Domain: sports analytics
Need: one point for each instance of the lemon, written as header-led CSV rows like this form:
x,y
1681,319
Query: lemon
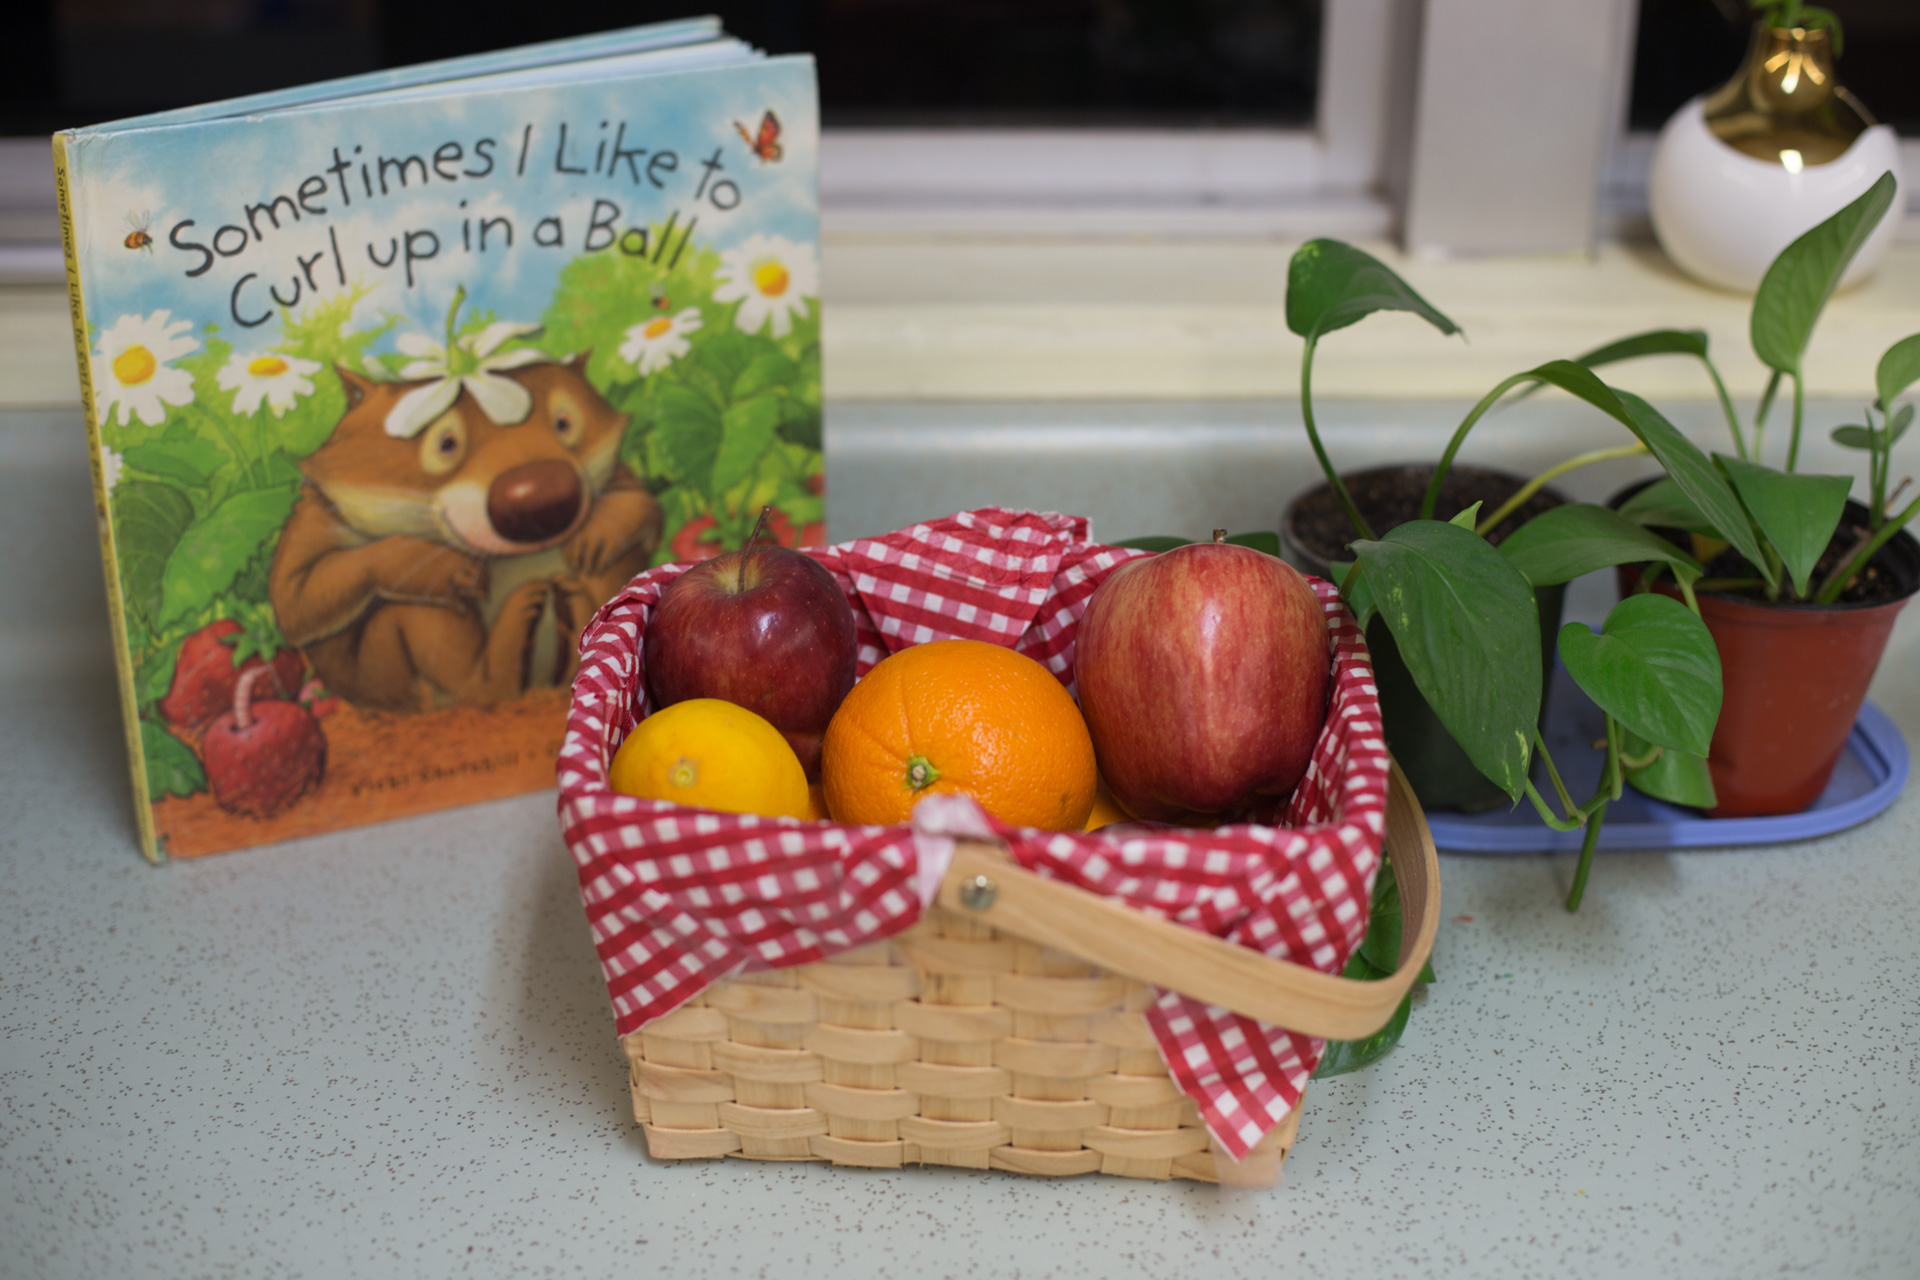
x,y
1106,810
710,754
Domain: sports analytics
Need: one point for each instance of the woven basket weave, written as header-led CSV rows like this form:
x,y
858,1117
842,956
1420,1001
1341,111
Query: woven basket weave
x,y
1004,1030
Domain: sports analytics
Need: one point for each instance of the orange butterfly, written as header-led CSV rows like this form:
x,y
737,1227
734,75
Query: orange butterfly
x,y
767,145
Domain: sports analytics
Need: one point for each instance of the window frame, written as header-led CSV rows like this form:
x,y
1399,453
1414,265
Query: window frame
x,y
1332,176
1346,175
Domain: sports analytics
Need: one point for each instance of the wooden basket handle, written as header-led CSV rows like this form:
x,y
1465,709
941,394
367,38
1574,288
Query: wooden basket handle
x,y
984,884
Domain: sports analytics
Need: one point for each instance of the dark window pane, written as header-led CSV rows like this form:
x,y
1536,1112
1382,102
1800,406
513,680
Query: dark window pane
x,y
121,55
1068,61
1169,62
1686,47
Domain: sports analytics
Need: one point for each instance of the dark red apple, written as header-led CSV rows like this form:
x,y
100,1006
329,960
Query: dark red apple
x,y
1203,675
261,756
765,628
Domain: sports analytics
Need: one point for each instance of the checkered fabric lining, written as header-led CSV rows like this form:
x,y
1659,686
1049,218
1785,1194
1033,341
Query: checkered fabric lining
x,y
680,898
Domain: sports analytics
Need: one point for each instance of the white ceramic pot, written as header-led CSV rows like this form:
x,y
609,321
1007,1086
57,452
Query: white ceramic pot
x,y
1723,215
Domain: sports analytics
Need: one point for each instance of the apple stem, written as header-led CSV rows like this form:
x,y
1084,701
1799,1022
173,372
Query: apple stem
x,y
243,695
760,525
1219,535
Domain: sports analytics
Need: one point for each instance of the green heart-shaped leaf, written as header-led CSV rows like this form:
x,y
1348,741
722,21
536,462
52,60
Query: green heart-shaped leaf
x,y
1331,285
1697,477
747,431
1654,342
149,518
1342,1056
1653,668
213,550
1797,285
187,462
1662,505
155,675
1468,630
172,769
1381,946
1798,513
1689,468
1260,540
1853,436
1560,544
1899,369
768,369
1678,777
686,431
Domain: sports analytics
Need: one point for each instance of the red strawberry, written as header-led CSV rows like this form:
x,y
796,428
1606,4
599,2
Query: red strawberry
x,y
261,757
204,675
315,698
688,544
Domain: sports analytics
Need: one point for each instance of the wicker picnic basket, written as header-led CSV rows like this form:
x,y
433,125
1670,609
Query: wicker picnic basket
x,y
1002,1031
1007,1027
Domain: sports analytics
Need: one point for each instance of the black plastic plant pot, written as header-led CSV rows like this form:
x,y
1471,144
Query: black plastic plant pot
x,y
1314,532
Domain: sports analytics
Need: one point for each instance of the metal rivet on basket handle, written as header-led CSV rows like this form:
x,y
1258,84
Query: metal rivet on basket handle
x,y
978,893
982,880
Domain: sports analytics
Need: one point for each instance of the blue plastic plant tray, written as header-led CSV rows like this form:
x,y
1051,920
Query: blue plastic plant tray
x,y
1871,771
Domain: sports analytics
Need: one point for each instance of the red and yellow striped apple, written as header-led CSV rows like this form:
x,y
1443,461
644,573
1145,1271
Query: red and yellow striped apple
x,y
1203,674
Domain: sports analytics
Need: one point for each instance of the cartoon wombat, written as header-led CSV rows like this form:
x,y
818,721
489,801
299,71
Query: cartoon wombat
x,y
457,565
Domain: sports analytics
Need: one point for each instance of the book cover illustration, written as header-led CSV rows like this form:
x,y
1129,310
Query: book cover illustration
x,y
389,396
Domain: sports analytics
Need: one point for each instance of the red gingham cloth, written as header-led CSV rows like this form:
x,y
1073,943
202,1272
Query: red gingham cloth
x,y
680,898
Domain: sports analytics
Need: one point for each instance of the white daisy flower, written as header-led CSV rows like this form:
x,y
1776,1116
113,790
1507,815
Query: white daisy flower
x,y
278,379
771,278
475,363
110,465
132,376
652,346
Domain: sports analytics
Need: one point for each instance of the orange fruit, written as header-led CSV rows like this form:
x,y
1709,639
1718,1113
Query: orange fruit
x,y
711,754
966,717
817,804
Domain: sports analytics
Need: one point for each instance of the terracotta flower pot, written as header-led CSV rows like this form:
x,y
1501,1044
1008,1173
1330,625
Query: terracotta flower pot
x,y
1794,677
1439,771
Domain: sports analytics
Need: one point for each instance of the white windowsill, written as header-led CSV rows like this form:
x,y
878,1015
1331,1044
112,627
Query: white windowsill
x,y
926,317
969,320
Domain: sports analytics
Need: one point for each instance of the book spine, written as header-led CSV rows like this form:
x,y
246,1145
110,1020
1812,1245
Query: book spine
x,y
116,607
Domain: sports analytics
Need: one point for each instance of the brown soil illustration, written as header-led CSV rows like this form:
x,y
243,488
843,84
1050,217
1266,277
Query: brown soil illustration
x,y
383,765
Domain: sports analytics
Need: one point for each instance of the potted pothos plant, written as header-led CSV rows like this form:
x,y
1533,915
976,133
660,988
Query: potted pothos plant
x,y
1461,613
1801,585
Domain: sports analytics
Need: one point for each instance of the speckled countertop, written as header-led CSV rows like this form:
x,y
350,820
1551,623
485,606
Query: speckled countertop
x,y
387,1052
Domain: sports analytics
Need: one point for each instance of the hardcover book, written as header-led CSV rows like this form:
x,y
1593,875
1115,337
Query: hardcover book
x,y
390,382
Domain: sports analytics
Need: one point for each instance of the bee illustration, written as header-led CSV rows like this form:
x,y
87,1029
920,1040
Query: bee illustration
x,y
660,300
138,238
767,144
